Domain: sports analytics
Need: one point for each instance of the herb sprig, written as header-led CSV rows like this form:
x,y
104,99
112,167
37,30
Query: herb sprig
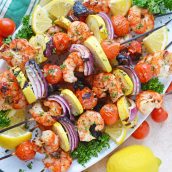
x,y
154,84
4,119
86,151
154,6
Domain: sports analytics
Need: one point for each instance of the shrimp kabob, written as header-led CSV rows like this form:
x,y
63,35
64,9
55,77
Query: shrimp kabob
x,y
90,91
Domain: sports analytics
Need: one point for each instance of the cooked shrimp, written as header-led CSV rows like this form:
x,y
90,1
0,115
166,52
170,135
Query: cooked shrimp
x,y
146,101
73,63
45,118
18,52
85,121
60,164
104,82
78,32
161,62
53,30
141,20
97,5
11,96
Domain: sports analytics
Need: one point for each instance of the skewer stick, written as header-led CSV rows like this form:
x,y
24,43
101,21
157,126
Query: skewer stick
x,y
7,156
168,45
161,15
145,34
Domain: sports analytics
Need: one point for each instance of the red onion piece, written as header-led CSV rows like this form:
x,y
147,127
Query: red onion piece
x,y
134,77
71,131
109,25
86,56
133,110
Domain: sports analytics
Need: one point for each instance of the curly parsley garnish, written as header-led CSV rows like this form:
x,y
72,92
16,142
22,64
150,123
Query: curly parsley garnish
x,y
154,6
7,40
86,151
26,31
4,119
154,84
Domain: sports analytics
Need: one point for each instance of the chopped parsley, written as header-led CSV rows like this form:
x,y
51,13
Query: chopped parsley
x,y
87,150
154,84
7,40
4,119
30,165
62,66
21,170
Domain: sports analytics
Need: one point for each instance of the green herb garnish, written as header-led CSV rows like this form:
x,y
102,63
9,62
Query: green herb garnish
x,y
86,151
154,84
7,40
155,6
4,119
21,170
26,31
30,165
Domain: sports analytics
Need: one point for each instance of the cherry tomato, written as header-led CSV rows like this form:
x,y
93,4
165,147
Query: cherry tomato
x,y
121,25
87,98
109,113
142,131
111,48
144,72
135,47
61,42
53,73
25,151
7,27
159,115
169,88
1,40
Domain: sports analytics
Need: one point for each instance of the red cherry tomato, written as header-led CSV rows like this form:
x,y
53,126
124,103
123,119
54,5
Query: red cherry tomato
x,y
142,131
109,113
25,151
87,98
7,27
121,25
53,73
135,47
159,115
144,72
61,42
1,40
169,88
111,48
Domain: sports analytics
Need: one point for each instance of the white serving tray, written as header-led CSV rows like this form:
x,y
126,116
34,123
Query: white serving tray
x,y
13,164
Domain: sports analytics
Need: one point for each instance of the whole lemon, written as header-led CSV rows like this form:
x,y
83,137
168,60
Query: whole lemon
x,y
134,158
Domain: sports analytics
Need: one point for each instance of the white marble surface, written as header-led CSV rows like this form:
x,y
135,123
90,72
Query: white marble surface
x,y
159,140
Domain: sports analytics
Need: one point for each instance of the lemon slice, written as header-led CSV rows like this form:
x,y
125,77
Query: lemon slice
x,y
58,8
117,132
73,101
64,141
120,7
39,42
157,40
12,138
40,20
97,26
62,22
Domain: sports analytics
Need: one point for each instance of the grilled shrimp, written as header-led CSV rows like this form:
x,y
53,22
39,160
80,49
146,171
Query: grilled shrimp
x,y
47,143
11,96
85,121
45,118
18,53
104,82
146,101
60,164
73,63
141,20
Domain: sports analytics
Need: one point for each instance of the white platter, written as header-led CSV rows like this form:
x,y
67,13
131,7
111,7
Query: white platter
x,y
13,164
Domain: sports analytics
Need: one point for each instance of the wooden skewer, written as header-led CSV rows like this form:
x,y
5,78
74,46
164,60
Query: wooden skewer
x,y
168,45
161,15
7,156
145,34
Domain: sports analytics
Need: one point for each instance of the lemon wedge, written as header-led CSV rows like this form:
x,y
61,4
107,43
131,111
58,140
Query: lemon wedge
x,y
58,8
97,26
73,101
117,132
120,7
157,40
64,141
12,138
62,22
40,20
39,42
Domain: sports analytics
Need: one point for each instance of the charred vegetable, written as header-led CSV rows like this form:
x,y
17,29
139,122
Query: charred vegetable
x,y
80,9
